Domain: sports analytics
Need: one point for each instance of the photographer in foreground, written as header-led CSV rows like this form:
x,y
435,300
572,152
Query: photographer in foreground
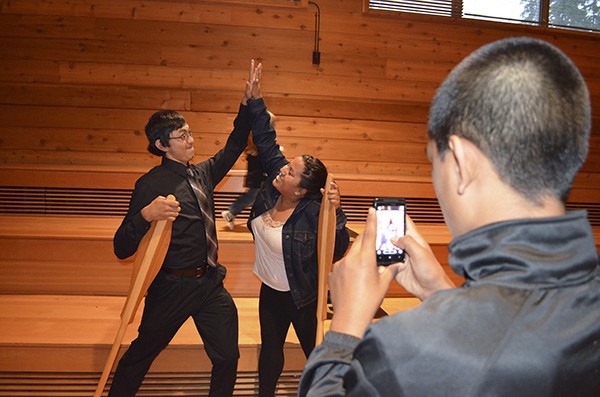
x,y
508,131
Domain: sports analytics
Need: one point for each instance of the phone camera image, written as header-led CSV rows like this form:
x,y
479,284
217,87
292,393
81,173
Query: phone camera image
x,y
391,223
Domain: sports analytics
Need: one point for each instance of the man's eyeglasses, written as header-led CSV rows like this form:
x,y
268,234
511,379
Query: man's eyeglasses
x,y
183,137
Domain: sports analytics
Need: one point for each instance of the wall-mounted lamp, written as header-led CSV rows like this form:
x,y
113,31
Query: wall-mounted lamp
x,y
316,57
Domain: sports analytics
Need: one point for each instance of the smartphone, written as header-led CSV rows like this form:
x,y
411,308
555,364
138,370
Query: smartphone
x,y
391,222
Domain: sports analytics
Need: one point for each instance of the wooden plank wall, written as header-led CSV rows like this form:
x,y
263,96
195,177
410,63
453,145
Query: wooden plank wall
x,y
78,81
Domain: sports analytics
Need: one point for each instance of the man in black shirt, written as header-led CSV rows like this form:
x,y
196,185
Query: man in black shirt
x,y
190,282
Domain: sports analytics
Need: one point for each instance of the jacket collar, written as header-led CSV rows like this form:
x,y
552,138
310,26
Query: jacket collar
x,y
528,253
308,197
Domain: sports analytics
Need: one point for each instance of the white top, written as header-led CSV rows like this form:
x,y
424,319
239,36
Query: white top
x,y
269,265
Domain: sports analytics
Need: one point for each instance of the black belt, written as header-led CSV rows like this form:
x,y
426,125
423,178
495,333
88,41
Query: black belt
x,y
198,272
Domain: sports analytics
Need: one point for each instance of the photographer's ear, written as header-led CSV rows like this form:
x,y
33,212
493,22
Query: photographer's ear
x,y
466,161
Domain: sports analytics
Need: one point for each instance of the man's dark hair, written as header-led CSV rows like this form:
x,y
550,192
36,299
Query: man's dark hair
x,y
526,106
314,175
160,126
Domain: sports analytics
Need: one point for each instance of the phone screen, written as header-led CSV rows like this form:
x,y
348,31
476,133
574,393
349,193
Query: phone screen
x,y
391,222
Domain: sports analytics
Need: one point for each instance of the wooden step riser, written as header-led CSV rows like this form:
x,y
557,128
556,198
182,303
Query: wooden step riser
x,y
175,358
89,267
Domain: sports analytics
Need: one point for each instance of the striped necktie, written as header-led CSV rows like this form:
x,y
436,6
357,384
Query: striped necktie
x,y
209,221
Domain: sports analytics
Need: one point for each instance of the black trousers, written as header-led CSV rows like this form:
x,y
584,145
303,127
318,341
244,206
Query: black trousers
x,y
276,312
170,301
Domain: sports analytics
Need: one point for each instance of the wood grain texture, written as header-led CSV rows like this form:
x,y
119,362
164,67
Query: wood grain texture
x,y
79,81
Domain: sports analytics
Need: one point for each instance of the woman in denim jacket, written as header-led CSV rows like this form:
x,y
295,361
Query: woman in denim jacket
x,y
284,222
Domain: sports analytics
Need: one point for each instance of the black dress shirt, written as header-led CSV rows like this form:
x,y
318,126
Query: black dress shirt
x,y
187,249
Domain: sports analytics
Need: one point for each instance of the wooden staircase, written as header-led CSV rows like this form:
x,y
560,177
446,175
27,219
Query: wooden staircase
x,y
56,345
61,295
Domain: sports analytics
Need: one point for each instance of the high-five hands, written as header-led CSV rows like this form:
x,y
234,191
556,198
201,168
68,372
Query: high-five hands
x,y
252,90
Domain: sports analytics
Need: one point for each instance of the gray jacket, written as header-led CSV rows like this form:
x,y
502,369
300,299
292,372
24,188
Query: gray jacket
x,y
525,323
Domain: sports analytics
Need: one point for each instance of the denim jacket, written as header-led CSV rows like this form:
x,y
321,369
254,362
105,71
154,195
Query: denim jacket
x,y
299,234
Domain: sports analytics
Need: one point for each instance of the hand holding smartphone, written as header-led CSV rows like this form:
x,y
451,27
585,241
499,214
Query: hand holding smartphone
x,y
391,222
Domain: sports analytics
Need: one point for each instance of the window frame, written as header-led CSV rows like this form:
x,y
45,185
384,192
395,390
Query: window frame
x,y
537,26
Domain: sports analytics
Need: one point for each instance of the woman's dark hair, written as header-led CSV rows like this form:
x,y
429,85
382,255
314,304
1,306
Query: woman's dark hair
x,y
160,126
314,175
